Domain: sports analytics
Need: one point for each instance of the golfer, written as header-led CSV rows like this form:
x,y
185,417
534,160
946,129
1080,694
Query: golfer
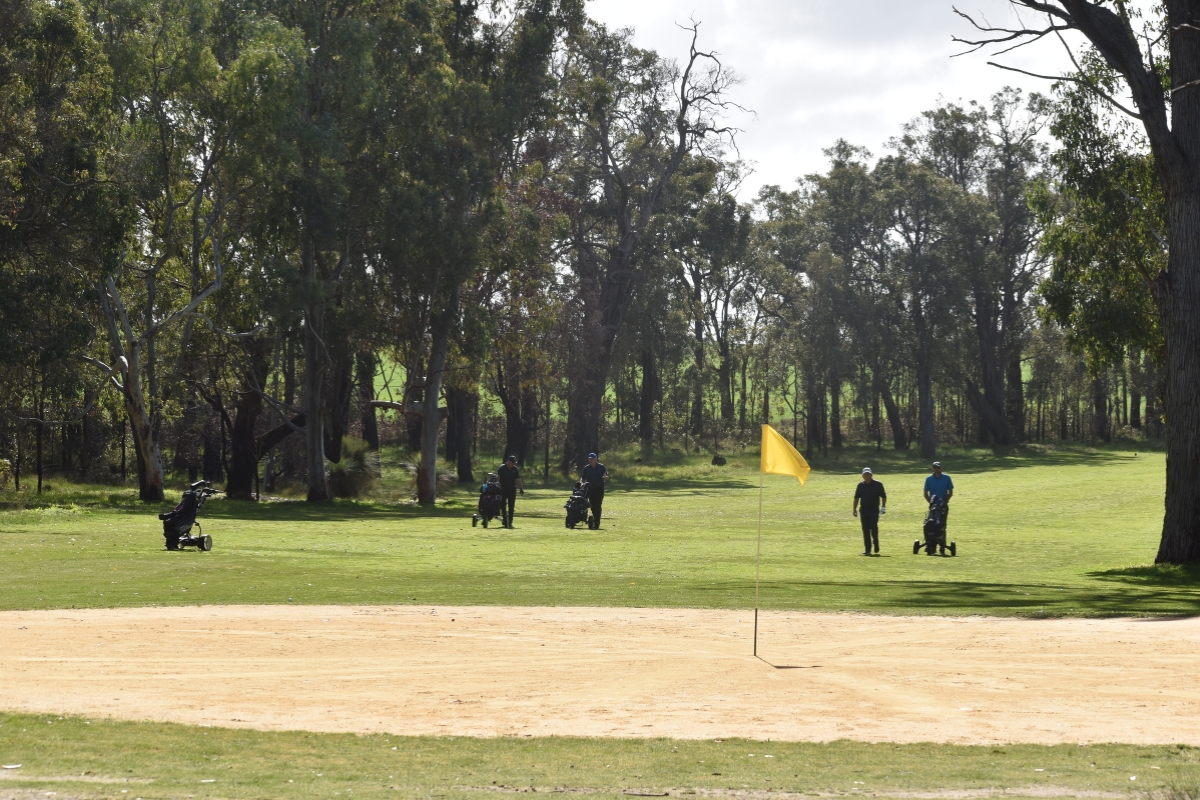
x,y
510,481
939,485
595,474
874,502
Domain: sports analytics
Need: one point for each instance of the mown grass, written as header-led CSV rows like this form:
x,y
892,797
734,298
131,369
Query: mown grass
x,y
1069,531
106,758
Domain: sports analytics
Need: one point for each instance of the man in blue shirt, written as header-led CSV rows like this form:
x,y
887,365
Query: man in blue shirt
x,y
939,485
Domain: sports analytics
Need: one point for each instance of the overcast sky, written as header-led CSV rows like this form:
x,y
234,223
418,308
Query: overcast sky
x,y
817,70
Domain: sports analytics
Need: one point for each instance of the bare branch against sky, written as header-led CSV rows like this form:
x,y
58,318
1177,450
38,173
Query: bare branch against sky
x,y
817,70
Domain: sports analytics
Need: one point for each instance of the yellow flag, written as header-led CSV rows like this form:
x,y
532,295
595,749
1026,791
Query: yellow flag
x,y
780,458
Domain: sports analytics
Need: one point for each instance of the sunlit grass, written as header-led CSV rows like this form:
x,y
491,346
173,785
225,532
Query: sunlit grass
x,y
104,758
1068,531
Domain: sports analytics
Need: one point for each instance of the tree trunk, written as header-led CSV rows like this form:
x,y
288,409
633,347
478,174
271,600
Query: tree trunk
x,y
243,450
925,418
340,390
1135,410
315,363
988,399
899,437
459,406
430,412
835,409
1178,292
588,376
697,424
1014,398
366,393
516,432
1100,427
651,391
725,380
150,468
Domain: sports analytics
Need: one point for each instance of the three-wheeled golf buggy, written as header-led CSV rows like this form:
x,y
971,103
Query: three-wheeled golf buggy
x,y
577,506
491,502
934,529
178,522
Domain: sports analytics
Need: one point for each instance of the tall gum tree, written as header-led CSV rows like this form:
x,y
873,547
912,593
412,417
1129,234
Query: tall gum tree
x,y
1165,92
631,118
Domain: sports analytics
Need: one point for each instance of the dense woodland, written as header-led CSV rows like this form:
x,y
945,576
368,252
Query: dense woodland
x,y
256,241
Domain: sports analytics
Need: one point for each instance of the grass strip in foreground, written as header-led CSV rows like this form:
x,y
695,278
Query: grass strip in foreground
x,y
77,757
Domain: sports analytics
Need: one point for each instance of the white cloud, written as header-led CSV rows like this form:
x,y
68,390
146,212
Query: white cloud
x,y
818,70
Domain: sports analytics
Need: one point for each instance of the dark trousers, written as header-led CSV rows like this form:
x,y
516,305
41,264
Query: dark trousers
x,y
509,505
870,528
596,501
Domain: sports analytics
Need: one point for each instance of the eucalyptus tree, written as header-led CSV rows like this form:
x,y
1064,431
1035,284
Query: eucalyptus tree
x,y
994,153
931,225
1157,61
630,118
58,215
485,87
192,98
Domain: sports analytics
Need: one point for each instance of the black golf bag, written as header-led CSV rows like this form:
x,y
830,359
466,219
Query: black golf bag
x,y
577,505
934,529
491,504
178,522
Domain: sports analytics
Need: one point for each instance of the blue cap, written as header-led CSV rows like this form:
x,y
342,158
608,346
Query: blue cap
x,y
592,455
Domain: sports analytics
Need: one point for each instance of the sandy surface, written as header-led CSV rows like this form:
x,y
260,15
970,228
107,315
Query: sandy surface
x,y
485,671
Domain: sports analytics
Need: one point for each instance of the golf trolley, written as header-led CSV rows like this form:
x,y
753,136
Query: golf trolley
x,y
934,529
491,503
177,523
577,506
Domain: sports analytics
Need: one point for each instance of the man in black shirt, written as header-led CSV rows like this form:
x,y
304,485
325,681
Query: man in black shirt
x,y
871,493
510,481
595,474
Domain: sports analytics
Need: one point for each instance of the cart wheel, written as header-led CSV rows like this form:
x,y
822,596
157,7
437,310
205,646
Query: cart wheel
x,y
206,543
474,520
954,548
916,547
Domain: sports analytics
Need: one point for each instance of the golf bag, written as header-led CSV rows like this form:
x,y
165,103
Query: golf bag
x,y
577,505
934,529
491,504
177,523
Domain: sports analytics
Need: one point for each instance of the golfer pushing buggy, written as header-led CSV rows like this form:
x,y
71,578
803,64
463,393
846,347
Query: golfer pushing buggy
x,y
934,529
178,522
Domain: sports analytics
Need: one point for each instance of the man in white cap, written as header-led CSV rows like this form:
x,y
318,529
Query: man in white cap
x,y
874,502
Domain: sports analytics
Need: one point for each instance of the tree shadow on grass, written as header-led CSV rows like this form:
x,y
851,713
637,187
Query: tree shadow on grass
x,y
1129,598
336,511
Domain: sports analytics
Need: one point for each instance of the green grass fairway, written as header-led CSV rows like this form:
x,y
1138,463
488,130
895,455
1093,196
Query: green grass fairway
x,y
1062,532
93,758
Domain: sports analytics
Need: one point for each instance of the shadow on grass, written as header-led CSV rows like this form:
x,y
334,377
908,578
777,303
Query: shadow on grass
x,y
956,597
1153,575
335,511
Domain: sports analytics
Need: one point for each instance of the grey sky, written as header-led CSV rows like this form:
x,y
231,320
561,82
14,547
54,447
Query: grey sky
x,y
817,70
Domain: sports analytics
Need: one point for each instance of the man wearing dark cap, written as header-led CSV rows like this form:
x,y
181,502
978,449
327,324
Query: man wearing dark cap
x,y
510,481
594,474
874,501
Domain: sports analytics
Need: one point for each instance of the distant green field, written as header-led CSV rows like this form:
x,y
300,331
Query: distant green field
x,y
104,758
1057,532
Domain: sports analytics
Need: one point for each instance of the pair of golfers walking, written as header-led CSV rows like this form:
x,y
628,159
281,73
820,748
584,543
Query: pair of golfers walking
x,y
594,474
873,499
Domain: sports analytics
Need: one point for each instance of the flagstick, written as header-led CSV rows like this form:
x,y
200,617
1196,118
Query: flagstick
x,y
757,559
